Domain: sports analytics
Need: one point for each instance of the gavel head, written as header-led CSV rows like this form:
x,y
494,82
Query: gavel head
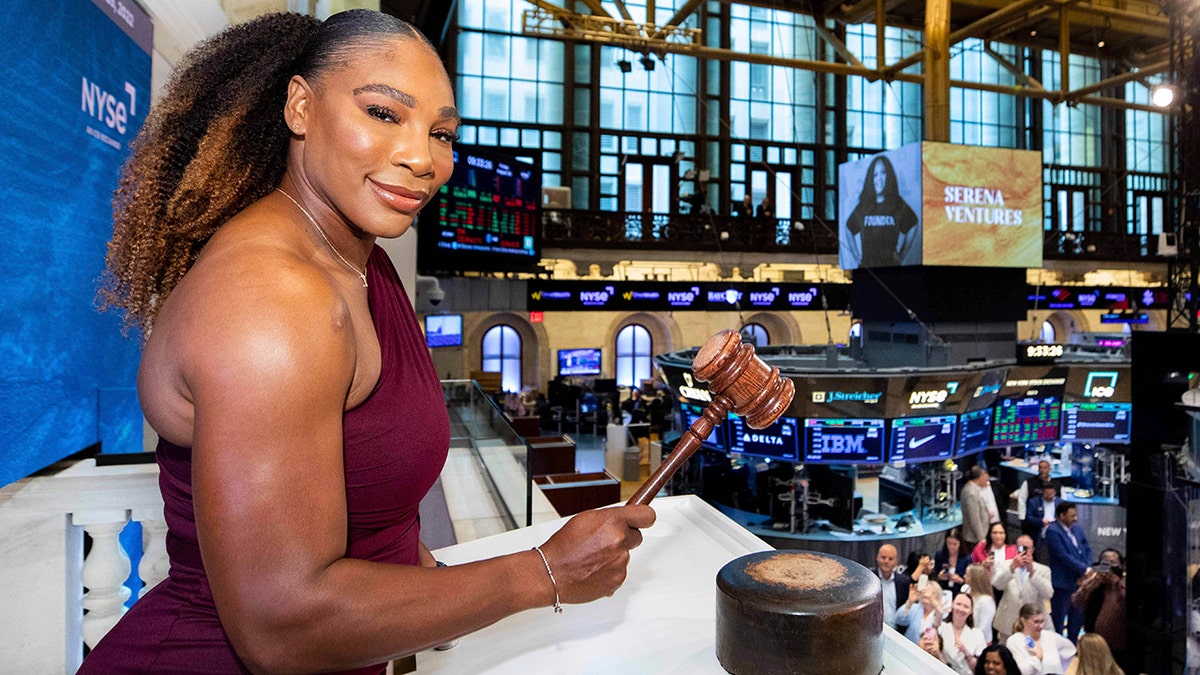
x,y
730,367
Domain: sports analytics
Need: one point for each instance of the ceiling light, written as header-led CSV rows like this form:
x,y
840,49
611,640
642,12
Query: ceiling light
x,y
648,63
625,66
1162,95
1100,44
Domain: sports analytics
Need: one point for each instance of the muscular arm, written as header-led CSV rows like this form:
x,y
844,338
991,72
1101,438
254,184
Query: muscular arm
x,y
269,388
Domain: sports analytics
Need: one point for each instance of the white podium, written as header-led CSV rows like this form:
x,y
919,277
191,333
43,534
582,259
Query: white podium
x,y
663,620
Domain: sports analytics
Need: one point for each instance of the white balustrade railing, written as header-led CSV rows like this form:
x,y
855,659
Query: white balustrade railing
x,y
48,617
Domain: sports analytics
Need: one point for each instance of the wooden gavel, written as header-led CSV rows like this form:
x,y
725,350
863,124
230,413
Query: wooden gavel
x,y
739,381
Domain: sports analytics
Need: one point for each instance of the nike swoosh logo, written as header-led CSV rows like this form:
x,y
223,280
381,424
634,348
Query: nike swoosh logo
x,y
915,443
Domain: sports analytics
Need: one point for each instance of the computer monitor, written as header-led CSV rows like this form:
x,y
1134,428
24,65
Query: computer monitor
x,y
922,439
834,485
974,431
780,441
1026,419
690,412
443,330
579,362
844,440
1096,422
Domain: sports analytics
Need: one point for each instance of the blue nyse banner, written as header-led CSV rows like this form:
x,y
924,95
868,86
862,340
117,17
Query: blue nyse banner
x,y
77,91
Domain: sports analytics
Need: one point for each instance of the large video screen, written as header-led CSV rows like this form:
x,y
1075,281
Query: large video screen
x,y
779,441
921,439
982,206
974,431
79,91
846,440
579,362
879,210
689,413
485,218
1096,422
939,204
1030,419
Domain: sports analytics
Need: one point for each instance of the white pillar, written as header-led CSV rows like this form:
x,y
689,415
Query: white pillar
x,y
104,572
154,565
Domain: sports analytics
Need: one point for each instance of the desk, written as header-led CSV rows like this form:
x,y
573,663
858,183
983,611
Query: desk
x,y
663,620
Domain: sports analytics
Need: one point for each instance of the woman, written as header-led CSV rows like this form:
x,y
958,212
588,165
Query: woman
x,y
951,562
995,548
883,229
922,612
1038,651
1094,657
300,417
962,642
996,660
979,581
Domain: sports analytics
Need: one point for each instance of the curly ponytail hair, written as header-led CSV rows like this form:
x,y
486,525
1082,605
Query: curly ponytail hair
x,y
214,144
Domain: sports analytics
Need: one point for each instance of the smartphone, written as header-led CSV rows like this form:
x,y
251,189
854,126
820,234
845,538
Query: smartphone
x,y
922,581
1022,549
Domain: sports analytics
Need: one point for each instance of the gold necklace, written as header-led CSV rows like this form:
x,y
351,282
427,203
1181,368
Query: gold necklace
x,y
361,273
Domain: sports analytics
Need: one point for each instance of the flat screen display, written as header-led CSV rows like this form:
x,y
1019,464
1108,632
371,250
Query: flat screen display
x,y
579,362
974,431
848,440
443,330
1096,422
485,218
1029,419
779,441
689,413
921,439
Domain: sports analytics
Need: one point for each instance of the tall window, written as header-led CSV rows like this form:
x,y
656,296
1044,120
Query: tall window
x,y
502,354
1047,332
633,355
983,117
882,115
755,334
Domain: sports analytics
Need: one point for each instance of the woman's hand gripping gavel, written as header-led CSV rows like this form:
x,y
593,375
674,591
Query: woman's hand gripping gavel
x,y
739,381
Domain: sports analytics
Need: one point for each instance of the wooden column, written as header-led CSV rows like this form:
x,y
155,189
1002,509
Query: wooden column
x,y
937,70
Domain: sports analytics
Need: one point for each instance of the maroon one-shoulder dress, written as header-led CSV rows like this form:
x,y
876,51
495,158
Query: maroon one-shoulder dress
x,y
395,444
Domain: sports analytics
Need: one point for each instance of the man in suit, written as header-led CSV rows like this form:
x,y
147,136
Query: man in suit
x,y
895,584
978,507
1040,508
1024,582
1070,558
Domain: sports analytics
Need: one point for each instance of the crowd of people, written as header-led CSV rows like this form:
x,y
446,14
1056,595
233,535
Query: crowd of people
x,y
995,608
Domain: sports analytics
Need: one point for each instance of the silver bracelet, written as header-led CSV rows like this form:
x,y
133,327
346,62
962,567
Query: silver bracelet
x,y
557,604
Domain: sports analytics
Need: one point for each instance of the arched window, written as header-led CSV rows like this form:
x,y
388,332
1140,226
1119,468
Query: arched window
x,y
755,334
856,333
1047,332
502,354
633,355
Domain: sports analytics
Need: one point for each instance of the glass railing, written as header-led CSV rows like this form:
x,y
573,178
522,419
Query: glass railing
x,y
478,423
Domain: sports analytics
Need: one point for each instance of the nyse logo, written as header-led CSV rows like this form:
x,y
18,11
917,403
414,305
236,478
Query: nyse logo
x,y
1100,384
845,444
925,399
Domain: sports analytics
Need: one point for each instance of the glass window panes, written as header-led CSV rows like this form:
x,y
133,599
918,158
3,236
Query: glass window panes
x,y
755,334
633,355
502,354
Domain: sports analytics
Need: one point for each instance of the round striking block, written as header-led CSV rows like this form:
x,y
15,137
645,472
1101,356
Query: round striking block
x,y
799,612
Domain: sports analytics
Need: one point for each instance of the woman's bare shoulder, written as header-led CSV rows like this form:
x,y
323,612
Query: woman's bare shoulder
x,y
252,307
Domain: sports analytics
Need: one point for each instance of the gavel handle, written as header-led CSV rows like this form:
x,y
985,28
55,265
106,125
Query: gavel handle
x,y
688,444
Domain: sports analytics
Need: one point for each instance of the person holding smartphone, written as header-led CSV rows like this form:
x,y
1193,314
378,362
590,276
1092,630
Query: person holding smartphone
x,y
1024,582
922,611
1038,651
951,562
